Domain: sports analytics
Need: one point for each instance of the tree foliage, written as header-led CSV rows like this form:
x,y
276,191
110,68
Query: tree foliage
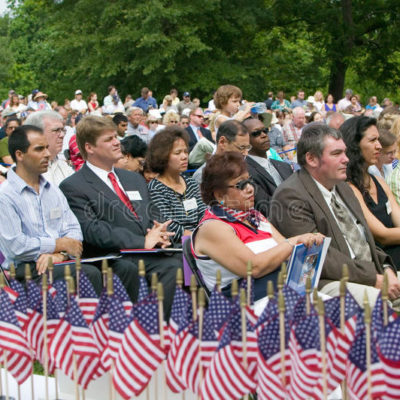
x,y
61,45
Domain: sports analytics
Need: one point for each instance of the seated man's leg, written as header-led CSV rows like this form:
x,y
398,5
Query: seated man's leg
x,y
357,290
126,269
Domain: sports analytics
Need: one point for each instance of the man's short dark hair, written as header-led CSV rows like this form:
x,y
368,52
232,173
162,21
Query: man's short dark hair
x,y
119,117
134,146
111,87
18,140
230,129
11,119
312,141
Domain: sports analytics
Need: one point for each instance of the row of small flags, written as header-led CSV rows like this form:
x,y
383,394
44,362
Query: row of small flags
x,y
298,348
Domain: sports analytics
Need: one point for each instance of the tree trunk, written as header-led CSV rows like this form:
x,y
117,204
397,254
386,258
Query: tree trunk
x,y
336,79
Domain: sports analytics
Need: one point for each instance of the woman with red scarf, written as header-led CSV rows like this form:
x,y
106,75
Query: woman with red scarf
x,y
232,232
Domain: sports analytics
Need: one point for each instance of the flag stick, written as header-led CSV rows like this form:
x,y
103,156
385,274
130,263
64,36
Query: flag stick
x,y
19,392
154,282
280,282
270,290
104,269
315,297
71,291
202,304
308,293
284,272
249,274
193,291
110,292
46,356
160,298
385,297
78,274
367,321
218,280
67,276
6,374
244,331
281,307
28,277
50,268
234,289
342,293
179,282
322,336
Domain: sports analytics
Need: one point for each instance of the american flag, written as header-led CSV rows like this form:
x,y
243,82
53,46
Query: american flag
x,y
12,294
270,310
61,297
88,298
269,370
118,322
180,315
13,343
143,289
34,328
389,355
21,302
338,343
140,353
227,377
305,357
357,366
218,310
72,337
100,321
377,317
120,292
291,299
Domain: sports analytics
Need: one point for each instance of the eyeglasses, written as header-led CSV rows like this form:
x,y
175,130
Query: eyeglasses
x,y
242,149
58,131
259,132
173,122
153,122
241,185
199,116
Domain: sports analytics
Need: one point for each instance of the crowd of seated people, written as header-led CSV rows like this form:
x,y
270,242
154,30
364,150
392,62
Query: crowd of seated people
x,y
102,177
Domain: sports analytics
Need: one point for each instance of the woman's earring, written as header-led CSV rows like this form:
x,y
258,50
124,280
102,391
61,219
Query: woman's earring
x,y
221,202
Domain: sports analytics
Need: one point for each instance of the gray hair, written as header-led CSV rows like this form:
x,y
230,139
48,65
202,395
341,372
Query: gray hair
x,y
132,109
37,118
312,141
298,110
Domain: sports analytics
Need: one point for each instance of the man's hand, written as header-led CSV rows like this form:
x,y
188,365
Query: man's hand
x,y
71,246
394,284
43,261
158,236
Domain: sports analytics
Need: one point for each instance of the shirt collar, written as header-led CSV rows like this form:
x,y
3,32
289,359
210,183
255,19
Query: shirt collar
x,y
100,172
327,194
20,185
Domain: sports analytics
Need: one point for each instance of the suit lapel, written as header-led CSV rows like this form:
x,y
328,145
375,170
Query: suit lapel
x,y
261,171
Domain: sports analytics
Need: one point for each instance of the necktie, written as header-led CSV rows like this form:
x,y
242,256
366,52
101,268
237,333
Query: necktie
x,y
199,134
120,193
350,231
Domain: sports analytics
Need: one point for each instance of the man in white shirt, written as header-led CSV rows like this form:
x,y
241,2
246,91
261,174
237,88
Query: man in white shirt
x,y
78,103
52,124
317,199
345,102
135,117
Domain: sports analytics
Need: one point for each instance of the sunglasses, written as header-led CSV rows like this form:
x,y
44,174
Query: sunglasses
x,y
198,116
241,185
259,132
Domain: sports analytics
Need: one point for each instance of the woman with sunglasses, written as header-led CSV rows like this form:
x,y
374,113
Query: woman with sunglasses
x,y
232,232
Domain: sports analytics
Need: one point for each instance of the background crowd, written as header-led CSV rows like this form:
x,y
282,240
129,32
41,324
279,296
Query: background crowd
x,y
94,146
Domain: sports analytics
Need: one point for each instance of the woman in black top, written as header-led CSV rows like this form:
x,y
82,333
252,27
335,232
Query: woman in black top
x,y
177,196
377,201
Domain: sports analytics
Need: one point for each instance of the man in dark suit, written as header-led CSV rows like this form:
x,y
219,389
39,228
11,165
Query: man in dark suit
x,y
114,209
195,128
267,173
317,199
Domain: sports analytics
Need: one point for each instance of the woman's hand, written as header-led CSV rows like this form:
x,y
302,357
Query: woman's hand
x,y
308,239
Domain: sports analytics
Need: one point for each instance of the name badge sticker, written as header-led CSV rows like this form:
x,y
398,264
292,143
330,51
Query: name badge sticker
x,y
190,204
55,213
134,195
388,207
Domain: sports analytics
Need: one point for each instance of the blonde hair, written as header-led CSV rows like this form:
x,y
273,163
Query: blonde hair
x,y
224,93
318,96
169,116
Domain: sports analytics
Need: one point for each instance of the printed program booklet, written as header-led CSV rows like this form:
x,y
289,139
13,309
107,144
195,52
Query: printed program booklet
x,y
306,262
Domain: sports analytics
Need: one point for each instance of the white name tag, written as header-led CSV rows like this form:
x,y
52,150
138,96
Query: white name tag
x,y
388,207
190,204
55,213
134,195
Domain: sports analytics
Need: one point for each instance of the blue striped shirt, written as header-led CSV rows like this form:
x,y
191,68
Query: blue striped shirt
x,y
30,222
